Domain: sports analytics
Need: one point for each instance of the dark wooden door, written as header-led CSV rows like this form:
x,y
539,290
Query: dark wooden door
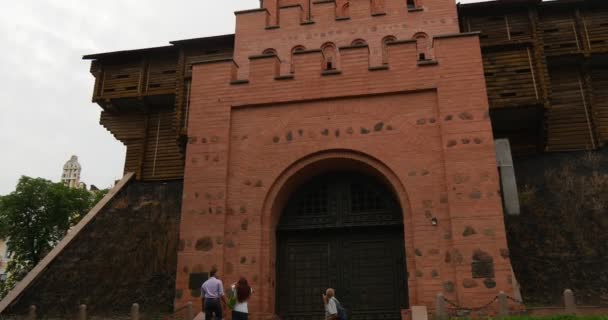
x,y
343,231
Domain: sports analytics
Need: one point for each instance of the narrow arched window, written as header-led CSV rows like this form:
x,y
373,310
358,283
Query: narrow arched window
x,y
293,51
330,56
385,42
358,42
411,4
422,46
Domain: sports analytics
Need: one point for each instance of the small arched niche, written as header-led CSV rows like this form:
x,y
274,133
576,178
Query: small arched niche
x,y
422,46
413,4
293,51
385,42
330,56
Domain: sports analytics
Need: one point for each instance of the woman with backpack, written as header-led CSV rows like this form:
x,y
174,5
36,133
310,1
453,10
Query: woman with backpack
x,y
333,308
241,292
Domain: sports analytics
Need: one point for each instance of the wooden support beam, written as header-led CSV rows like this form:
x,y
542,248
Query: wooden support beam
x,y
142,152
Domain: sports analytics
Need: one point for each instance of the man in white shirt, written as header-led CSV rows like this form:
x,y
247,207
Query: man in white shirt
x,y
331,309
212,292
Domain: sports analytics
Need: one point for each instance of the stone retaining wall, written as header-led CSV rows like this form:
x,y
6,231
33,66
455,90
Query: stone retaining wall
x,y
561,240
126,255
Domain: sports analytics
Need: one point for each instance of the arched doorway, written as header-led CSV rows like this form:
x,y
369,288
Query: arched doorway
x,y
342,230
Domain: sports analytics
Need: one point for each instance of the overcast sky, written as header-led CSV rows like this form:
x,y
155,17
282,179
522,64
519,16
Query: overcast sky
x,y
46,114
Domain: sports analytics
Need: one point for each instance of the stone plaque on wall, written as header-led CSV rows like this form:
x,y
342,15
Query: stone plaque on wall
x,y
482,265
196,280
481,269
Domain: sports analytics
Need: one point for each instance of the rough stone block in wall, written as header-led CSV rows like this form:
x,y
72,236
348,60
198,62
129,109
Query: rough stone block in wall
x,y
126,255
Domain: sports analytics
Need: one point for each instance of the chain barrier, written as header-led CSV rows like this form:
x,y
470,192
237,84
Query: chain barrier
x,y
177,313
515,300
459,307
455,308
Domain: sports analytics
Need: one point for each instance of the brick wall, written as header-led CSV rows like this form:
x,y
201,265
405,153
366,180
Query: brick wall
x,y
371,21
422,125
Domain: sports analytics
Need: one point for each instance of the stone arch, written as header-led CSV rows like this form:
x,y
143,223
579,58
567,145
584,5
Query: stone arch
x,y
422,45
385,41
269,51
330,56
298,48
358,42
319,163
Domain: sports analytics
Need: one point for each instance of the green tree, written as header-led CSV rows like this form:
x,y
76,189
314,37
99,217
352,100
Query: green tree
x,y
35,217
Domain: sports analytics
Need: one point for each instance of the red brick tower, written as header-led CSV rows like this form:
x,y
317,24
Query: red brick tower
x,y
385,89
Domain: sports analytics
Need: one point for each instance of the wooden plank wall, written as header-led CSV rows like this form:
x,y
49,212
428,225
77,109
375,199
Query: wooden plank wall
x,y
498,29
162,159
509,78
121,79
544,55
152,149
130,129
569,119
161,76
508,56
599,77
595,25
520,26
559,32
493,28
134,76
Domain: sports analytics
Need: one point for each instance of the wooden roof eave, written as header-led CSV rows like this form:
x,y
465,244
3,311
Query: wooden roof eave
x,y
221,41
129,53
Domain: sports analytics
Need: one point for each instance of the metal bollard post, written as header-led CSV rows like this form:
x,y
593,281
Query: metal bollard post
x,y
135,311
82,312
440,312
32,313
190,311
569,302
503,305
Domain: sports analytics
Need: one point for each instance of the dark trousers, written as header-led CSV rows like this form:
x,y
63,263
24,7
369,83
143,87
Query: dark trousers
x,y
239,315
213,307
